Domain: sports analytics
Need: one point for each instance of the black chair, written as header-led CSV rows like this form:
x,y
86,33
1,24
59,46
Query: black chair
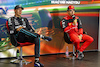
x,y
67,40
18,44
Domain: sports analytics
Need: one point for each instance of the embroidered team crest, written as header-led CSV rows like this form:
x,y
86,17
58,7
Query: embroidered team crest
x,y
72,7
70,24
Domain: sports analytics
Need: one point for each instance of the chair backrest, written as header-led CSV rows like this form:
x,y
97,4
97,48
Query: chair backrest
x,y
14,40
67,38
12,37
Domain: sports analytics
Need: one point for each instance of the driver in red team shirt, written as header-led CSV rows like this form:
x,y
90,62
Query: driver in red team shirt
x,y
71,24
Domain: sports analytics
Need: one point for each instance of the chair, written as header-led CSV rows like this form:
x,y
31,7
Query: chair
x,y
67,40
18,44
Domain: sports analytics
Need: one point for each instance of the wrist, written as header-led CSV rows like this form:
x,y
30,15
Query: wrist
x,y
81,35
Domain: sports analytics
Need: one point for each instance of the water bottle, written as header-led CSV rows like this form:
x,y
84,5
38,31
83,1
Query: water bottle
x,y
67,53
17,54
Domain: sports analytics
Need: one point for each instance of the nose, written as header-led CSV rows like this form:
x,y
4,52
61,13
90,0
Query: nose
x,y
20,11
72,12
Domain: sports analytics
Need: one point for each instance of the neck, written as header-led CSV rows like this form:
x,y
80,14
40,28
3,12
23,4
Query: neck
x,y
69,15
17,15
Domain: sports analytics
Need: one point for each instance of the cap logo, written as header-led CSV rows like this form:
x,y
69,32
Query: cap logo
x,y
72,7
19,6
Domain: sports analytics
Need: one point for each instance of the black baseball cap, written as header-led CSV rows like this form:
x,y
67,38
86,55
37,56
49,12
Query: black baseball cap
x,y
18,6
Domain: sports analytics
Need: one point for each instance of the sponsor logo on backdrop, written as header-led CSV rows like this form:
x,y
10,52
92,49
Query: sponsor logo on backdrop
x,y
64,2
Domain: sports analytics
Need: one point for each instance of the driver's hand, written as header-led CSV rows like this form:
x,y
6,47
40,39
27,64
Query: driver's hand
x,y
80,37
18,29
75,22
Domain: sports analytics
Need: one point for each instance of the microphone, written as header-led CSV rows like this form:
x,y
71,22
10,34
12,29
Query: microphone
x,y
73,16
74,20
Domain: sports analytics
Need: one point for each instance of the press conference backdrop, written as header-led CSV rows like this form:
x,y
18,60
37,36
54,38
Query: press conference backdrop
x,y
46,21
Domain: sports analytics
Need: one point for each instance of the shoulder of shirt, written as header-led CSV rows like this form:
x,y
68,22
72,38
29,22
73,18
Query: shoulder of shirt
x,y
76,17
11,17
66,17
24,17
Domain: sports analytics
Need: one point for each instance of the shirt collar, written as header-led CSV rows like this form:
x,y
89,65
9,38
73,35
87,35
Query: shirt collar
x,y
16,17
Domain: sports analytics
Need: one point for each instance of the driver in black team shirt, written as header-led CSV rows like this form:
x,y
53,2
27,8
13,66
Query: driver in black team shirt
x,y
19,26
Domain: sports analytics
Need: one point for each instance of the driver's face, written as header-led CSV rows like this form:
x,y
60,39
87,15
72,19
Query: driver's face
x,y
71,12
18,11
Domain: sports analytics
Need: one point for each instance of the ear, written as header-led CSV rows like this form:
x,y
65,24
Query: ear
x,y
14,10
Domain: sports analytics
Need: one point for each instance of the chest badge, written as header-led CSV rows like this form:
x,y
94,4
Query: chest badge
x,y
70,24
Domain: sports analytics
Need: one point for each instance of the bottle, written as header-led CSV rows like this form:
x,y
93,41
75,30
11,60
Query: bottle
x,y
17,54
67,52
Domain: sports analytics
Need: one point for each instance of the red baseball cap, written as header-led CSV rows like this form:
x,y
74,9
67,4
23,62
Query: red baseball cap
x,y
70,7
